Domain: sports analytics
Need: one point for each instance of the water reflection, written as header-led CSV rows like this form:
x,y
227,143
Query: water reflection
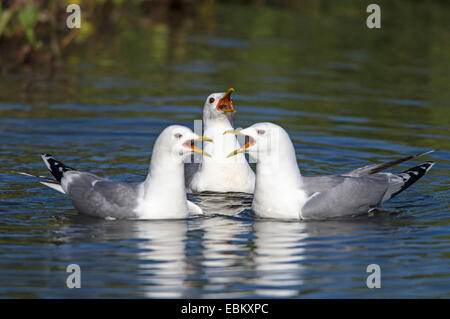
x,y
344,105
162,257
153,251
287,253
223,203
228,256
278,257
225,251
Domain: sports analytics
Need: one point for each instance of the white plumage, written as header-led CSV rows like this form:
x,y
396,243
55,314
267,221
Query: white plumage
x,y
282,192
219,173
161,196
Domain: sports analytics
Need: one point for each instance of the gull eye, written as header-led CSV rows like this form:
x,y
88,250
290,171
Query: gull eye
x,y
211,100
261,132
178,135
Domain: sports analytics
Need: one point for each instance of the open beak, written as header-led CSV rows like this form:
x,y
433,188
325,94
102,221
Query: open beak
x,y
225,104
204,138
251,141
190,144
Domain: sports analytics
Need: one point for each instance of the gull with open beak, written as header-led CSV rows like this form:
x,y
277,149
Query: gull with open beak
x,y
282,192
219,173
161,196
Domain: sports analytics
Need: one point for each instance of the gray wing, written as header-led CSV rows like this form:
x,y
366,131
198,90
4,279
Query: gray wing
x,y
315,184
99,197
343,196
376,168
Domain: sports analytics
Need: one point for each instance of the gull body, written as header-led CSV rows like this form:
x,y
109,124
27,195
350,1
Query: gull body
x,y
162,195
219,173
282,192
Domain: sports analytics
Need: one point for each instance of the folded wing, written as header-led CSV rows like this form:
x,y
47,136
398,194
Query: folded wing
x,y
345,196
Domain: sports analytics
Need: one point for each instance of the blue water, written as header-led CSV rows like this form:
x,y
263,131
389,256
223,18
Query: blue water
x,y
345,104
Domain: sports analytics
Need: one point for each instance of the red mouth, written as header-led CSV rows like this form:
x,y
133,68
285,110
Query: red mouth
x,y
225,104
250,141
189,144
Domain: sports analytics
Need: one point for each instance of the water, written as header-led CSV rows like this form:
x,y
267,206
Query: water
x,y
347,95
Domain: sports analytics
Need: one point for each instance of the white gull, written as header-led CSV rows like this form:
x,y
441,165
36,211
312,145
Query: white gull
x,y
219,173
282,192
161,196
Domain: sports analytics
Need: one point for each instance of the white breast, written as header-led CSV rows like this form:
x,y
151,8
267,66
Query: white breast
x,y
161,207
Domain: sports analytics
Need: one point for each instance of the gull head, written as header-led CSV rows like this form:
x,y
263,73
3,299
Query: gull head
x,y
179,142
261,140
219,105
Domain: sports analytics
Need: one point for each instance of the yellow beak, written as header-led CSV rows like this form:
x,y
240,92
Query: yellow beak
x,y
239,150
228,93
236,132
204,138
195,149
236,152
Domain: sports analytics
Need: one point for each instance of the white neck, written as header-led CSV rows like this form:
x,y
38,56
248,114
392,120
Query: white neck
x,y
278,183
223,144
279,165
219,172
164,193
224,119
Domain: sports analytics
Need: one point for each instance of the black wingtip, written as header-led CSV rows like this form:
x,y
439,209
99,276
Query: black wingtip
x,y
419,170
412,175
56,167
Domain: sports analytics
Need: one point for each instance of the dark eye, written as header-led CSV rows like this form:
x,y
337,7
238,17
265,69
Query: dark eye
x,y
261,132
211,100
178,135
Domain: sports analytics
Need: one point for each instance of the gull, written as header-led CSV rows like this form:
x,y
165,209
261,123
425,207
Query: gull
x,y
162,195
219,173
282,192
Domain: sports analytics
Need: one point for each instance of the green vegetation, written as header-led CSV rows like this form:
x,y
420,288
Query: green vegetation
x,y
131,53
34,31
